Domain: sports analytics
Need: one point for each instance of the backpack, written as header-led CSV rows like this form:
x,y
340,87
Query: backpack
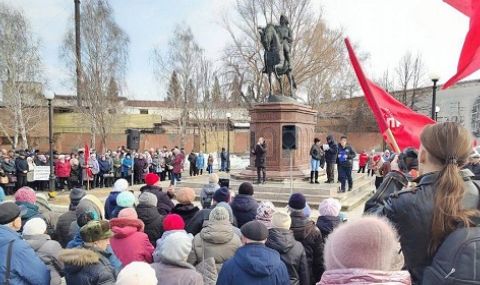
x,y
457,261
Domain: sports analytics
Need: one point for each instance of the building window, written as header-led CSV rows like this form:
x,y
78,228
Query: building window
x,y
144,111
476,117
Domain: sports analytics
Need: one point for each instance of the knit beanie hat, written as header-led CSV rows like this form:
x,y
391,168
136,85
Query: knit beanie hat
x,y
176,247
151,178
254,231
219,214
42,203
2,195
25,194
95,231
126,199
76,194
91,203
367,243
227,207
8,212
128,213
173,222
297,201
329,207
137,273
34,226
147,198
246,188
265,211
86,216
281,220
222,195
120,185
185,195
213,178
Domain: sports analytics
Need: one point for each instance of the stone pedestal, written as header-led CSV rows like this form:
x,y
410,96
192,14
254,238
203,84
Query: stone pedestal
x,y
267,121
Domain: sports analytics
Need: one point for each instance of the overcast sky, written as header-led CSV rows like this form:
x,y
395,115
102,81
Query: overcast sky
x,y
386,29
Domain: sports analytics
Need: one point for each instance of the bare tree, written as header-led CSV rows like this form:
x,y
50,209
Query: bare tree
x,y
20,75
386,81
182,56
410,73
104,53
417,77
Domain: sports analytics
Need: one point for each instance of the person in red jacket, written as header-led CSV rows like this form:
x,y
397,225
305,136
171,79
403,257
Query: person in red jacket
x,y
177,165
362,161
129,242
62,171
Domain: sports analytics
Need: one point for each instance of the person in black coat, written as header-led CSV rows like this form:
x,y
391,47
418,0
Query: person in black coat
x,y
292,253
147,212
260,152
474,165
346,154
330,158
185,208
306,232
164,200
244,206
21,167
65,220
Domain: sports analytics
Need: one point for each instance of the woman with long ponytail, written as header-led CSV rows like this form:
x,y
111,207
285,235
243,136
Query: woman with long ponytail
x,y
444,199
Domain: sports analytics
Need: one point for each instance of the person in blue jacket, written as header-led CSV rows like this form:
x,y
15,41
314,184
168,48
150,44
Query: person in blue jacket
x,y
127,167
200,163
19,264
254,263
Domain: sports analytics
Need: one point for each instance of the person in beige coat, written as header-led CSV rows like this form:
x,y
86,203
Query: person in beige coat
x,y
217,239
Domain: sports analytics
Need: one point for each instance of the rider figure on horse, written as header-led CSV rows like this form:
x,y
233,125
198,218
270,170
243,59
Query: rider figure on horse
x,y
285,34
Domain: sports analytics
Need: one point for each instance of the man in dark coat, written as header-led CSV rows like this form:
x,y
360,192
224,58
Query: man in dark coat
x,y
164,200
192,159
65,220
148,213
244,206
223,160
21,167
254,263
260,152
306,232
346,154
292,253
330,158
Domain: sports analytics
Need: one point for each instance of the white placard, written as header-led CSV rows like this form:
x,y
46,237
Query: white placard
x,y
41,173
326,147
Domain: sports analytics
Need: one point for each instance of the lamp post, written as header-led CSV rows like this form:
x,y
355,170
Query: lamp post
x,y
434,77
50,96
228,141
437,110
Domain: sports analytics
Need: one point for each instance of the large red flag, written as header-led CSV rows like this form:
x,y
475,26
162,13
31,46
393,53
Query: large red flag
x,y
469,61
87,157
395,121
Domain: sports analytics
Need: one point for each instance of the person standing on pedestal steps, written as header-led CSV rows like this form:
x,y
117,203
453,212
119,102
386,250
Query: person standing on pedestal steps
x,y
345,163
317,160
331,151
260,152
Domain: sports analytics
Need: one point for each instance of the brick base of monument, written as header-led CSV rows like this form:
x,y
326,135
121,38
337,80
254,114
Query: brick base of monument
x,y
267,121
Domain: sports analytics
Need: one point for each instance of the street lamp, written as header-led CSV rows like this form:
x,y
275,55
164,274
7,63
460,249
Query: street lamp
x,y
434,77
50,96
228,141
437,110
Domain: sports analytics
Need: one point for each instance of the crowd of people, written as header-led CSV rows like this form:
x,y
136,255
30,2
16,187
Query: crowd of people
x,y
160,236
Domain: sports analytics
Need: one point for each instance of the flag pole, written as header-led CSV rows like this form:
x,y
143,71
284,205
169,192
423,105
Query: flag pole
x,y
392,140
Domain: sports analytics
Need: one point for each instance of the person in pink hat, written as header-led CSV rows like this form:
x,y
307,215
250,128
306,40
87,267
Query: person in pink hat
x,y
25,198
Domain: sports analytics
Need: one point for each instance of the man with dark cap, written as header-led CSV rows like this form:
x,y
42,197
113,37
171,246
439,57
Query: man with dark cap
x,y
244,206
198,221
20,264
254,263
65,220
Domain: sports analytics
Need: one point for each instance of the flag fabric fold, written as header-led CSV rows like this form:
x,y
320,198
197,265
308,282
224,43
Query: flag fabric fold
x,y
469,60
398,124
88,171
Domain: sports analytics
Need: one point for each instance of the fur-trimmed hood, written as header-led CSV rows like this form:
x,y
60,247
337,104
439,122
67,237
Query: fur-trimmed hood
x,y
123,227
79,257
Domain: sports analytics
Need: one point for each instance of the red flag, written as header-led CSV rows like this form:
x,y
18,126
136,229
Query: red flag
x,y
392,116
469,61
87,157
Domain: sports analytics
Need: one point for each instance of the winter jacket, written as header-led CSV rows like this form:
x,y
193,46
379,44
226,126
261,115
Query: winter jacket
x,y
31,211
345,156
48,251
62,231
316,152
254,264
9,167
153,222
411,211
326,225
62,169
260,152
363,159
180,273
105,166
127,164
95,167
177,163
331,152
117,167
217,240
139,165
26,267
129,242
244,208
223,156
201,219
192,158
292,254
364,276
475,169
87,266
206,195
110,204
21,166
185,211
394,181
305,231
200,162
164,200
